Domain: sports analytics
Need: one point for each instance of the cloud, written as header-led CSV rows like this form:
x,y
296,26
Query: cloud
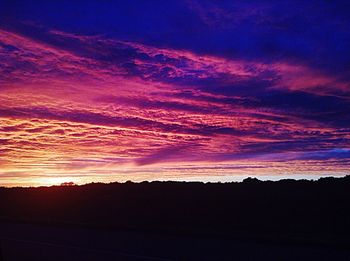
x,y
166,154
130,107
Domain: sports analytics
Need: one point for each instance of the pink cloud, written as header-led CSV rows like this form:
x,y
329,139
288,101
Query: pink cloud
x,y
57,105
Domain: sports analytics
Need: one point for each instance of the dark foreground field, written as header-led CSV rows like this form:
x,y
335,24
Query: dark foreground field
x,y
253,220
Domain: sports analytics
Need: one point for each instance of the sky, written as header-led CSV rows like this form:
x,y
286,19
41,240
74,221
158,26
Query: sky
x,y
103,91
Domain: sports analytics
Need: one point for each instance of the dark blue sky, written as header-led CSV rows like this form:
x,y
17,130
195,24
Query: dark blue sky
x,y
308,31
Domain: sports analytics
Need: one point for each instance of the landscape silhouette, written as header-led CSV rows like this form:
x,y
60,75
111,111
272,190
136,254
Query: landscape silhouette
x,y
297,213
139,130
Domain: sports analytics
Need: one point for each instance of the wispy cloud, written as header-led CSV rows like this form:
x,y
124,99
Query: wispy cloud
x,y
80,104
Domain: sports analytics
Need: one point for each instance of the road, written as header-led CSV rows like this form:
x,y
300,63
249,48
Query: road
x,y
43,242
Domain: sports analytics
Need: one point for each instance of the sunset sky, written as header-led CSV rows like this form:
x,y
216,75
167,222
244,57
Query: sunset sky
x,y
101,91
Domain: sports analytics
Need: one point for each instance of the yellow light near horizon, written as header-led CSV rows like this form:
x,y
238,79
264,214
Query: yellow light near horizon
x,y
51,181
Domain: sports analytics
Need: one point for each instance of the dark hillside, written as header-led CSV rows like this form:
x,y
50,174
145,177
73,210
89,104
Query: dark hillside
x,y
287,211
